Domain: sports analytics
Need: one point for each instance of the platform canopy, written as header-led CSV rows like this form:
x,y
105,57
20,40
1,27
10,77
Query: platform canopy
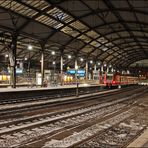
x,y
109,31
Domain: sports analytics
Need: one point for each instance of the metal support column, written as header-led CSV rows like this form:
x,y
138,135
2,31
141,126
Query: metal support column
x,y
102,68
95,70
77,84
107,70
13,60
76,64
112,70
86,69
76,77
42,66
76,68
95,67
61,69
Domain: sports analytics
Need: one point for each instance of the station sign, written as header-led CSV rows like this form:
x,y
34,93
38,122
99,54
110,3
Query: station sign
x,y
71,71
18,71
79,72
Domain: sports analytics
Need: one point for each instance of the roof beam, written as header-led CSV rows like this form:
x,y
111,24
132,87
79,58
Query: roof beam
x,y
122,22
120,61
135,10
131,61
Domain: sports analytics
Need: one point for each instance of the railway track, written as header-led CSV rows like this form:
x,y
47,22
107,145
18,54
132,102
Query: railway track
x,y
107,101
36,95
29,130
40,95
76,134
118,135
119,124
19,108
48,117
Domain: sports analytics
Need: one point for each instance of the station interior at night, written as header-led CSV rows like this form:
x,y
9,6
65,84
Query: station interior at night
x,y
66,63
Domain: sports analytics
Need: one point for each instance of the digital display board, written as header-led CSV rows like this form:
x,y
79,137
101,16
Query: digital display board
x,y
80,72
18,71
81,75
71,71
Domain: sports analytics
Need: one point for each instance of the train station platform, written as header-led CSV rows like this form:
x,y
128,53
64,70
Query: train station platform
x,y
56,91
9,89
141,141
8,94
53,100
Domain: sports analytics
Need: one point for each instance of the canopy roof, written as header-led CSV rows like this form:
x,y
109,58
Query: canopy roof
x,y
109,31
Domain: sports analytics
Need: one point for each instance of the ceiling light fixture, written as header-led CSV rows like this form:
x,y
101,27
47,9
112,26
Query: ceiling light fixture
x,y
91,61
30,47
53,52
69,56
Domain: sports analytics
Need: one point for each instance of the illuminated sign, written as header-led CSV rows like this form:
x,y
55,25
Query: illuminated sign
x,y
80,72
18,71
71,71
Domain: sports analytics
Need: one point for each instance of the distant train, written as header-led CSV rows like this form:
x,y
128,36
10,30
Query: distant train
x,y
119,79
105,79
125,79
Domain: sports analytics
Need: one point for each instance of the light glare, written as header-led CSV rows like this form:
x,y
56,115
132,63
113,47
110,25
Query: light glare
x,y
81,59
91,61
30,47
53,52
69,56
6,55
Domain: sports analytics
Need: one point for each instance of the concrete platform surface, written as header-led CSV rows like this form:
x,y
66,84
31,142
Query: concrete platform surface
x,y
9,89
22,104
141,141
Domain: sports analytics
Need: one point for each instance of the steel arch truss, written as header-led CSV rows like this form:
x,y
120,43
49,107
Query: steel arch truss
x,y
103,30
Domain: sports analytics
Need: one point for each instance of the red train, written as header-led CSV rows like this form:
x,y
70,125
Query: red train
x,y
118,79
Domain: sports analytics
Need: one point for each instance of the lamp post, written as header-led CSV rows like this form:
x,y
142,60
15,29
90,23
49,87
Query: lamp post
x,y
29,69
77,88
30,48
54,66
61,69
6,65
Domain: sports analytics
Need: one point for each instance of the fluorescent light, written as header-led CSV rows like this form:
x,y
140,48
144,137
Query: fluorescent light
x,y
85,84
6,55
53,52
81,59
112,70
76,67
105,48
69,56
30,47
53,62
91,61
25,59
